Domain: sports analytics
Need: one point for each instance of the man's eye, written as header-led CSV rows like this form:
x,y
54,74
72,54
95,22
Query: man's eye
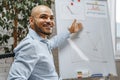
x,y
52,18
46,17
43,17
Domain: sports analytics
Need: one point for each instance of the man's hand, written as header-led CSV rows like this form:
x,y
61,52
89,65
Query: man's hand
x,y
75,27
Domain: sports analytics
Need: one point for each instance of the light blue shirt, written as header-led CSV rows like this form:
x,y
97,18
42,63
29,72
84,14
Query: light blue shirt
x,y
33,58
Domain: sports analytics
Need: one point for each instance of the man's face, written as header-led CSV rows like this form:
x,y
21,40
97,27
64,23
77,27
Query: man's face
x,y
43,21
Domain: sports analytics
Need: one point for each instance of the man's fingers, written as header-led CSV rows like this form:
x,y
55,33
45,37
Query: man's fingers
x,y
75,27
74,22
80,26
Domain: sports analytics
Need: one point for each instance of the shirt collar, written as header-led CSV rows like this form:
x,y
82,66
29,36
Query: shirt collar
x,y
34,35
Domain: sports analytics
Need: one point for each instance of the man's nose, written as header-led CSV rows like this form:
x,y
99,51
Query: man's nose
x,y
48,19
50,22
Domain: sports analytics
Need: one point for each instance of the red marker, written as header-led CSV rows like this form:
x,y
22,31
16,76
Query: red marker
x,y
71,3
78,0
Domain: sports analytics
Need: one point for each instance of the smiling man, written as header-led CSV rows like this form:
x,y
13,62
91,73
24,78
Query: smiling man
x,y
42,20
33,58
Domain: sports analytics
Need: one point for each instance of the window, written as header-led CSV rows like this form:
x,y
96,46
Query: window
x,y
118,18
117,29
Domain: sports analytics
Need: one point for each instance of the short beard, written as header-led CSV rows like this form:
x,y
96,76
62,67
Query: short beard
x,y
39,30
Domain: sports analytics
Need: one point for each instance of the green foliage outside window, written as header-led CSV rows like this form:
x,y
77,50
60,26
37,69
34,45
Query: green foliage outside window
x,y
14,22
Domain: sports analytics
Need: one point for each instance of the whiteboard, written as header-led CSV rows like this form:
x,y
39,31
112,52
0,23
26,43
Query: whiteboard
x,y
89,51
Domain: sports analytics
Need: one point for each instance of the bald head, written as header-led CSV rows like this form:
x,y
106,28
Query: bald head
x,y
42,20
36,10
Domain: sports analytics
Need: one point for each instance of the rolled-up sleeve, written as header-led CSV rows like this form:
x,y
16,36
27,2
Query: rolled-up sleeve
x,y
24,62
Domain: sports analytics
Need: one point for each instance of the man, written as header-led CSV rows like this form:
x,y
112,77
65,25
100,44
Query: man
x,y
33,58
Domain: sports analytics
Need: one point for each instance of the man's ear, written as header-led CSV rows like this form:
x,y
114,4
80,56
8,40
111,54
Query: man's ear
x,y
31,20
